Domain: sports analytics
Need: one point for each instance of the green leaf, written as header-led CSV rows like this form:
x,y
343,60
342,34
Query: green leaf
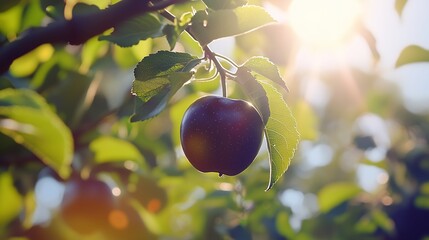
x,y
224,4
281,133
255,92
280,126
412,54
110,149
164,63
151,103
371,41
28,119
173,32
148,89
11,204
208,26
157,78
400,5
131,32
334,194
266,68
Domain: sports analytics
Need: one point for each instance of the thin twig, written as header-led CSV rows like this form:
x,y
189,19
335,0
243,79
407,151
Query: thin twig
x,y
221,70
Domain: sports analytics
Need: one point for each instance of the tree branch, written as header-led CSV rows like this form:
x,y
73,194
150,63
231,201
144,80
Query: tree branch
x,y
79,29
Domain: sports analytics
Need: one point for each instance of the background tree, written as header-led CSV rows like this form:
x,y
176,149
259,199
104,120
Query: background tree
x,y
82,156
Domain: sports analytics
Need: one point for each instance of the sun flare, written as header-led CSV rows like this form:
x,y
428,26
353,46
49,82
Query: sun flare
x,y
323,24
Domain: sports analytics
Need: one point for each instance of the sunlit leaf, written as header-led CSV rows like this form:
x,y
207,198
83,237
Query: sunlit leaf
x,y
190,45
400,5
224,4
153,95
280,126
157,78
266,68
110,149
255,92
281,133
131,32
163,63
412,54
11,203
334,194
29,120
27,64
208,26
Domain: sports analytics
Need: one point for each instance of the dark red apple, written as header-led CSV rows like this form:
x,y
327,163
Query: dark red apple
x,y
221,135
126,223
86,205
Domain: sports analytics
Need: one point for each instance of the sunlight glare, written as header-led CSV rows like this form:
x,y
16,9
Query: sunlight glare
x,y
323,24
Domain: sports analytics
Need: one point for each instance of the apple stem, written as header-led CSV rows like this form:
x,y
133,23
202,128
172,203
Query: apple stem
x,y
220,174
209,54
212,56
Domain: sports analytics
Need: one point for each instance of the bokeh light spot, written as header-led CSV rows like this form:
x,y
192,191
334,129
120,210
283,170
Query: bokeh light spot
x,y
118,219
154,205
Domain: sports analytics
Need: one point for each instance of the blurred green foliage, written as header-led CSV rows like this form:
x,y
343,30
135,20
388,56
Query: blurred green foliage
x,y
83,93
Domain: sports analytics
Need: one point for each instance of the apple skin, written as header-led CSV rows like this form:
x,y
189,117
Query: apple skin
x,y
221,135
126,223
86,205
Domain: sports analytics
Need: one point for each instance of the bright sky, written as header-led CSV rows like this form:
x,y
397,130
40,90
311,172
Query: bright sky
x,y
393,34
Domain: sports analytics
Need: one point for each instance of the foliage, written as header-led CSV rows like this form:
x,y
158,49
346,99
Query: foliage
x,y
110,109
